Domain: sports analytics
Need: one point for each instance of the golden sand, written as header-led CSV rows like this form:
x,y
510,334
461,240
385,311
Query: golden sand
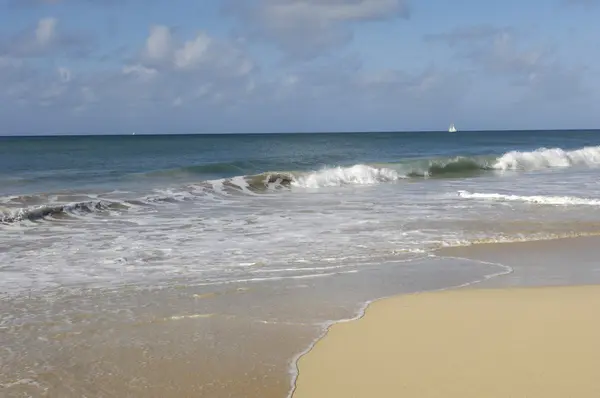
x,y
533,343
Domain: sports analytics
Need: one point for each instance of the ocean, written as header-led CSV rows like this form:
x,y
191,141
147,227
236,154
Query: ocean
x,y
171,265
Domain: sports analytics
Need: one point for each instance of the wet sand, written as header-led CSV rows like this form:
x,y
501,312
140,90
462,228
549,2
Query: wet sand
x,y
536,265
235,340
189,340
525,342
567,261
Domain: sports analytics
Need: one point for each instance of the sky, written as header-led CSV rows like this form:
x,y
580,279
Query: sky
x,y
252,66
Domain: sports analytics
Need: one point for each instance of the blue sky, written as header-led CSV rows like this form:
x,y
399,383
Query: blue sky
x,y
117,66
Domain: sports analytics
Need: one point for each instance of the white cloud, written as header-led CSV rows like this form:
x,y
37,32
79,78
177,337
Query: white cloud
x,y
45,39
140,71
214,58
193,51
587,3
463,34
45,31
158,44
504,54
214,83
325,12
307,28
35,3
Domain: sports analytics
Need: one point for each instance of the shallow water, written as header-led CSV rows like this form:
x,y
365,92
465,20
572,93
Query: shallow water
x,y
236,339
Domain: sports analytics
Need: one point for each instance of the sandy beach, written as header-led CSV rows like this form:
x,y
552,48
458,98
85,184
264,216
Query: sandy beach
x,y
517,342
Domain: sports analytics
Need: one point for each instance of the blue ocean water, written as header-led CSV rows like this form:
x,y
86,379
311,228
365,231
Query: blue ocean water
x,y
222,256
53,164
205,205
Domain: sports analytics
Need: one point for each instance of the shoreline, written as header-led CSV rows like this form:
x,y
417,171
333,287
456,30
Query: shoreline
x,y
313,375
441,253
294,365
477,243
271,340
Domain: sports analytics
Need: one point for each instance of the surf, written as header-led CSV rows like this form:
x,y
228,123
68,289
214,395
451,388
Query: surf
x,y
325,177
36,213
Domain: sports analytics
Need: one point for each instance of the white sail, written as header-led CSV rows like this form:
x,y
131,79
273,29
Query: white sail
x,y
452,129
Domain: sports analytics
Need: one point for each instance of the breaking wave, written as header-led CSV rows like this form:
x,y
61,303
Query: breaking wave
x,y
359,174
36,207
455,167
36,213
365,174
537,199
544,158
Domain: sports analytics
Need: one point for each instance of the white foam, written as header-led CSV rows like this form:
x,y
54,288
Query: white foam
x,y
242,184
538,199
299,269
543,158
217,186
359,174
168,195
215,231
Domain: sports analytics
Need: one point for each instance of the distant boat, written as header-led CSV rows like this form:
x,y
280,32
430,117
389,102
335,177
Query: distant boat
x,y
452,129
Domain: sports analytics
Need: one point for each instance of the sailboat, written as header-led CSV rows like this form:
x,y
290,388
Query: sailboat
x,y
452,129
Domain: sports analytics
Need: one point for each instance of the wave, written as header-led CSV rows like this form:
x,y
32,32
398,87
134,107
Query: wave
x,y
37,207
36,213
544,158
539,159
359,174
537,199
229,169
366,174
451,167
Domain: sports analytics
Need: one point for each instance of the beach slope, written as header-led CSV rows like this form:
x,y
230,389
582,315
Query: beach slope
x,y
522,342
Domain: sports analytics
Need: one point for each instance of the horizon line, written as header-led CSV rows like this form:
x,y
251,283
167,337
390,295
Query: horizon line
x,y
291,133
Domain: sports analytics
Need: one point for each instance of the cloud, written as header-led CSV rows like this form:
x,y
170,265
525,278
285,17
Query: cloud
x,y
464,34
202,52
45,31
503,56
586,3
45,39
201,72
140,72
499,53
201,82
36,3
168,81
193,51
217,83
24,86
305,29
158,43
